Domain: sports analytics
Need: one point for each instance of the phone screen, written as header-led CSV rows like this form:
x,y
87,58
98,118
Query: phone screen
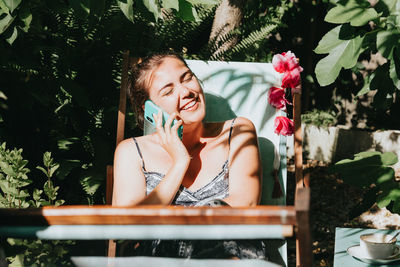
x,y
149,126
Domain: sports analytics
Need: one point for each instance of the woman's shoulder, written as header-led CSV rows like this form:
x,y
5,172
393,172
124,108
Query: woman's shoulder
x,y
240,125
233,127
132,144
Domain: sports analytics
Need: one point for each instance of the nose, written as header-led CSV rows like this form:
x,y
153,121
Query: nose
x,y
184,91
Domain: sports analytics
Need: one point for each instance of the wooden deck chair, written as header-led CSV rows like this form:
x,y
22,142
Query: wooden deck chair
x,y
273,219
235,89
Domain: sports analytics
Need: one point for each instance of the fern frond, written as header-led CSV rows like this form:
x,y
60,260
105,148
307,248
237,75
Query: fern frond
x,y
253,38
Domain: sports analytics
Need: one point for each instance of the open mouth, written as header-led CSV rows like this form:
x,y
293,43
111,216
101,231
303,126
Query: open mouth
x,y
190,105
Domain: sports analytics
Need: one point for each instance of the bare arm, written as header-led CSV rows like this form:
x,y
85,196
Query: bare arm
x,y
129,180
245,165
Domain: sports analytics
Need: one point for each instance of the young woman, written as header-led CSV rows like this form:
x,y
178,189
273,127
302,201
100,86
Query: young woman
x,y
214,162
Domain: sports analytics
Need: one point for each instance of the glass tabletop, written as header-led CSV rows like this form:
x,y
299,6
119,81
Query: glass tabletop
x,y
347,237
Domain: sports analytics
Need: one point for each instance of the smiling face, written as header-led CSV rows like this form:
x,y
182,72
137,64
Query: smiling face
x,y
173,87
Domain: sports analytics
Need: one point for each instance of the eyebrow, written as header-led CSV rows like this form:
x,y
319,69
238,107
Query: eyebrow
x,y
180,78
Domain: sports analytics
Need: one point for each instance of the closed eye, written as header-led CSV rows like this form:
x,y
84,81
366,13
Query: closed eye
x,y
187,77
167,91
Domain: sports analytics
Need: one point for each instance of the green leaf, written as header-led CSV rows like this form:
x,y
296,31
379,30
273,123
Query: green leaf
x,y
10,39
22,194
389,158
152,6
329,41
5,22
387,6
383,201
12,4
386,175
47,160
26,16
7,169
386,41
187,12
66,144
395,68
59,202
171,4
127,9
392,21
43,170
343,54
81,7
90,185
358,13
366,168
49,190
7,189
204,2
384,84
53,169
37,194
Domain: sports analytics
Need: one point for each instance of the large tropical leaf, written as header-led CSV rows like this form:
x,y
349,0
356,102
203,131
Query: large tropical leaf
x,y
187,12
153,7
386,41
171,4
382,82
356,12
367,168
12,4
127,8
343,53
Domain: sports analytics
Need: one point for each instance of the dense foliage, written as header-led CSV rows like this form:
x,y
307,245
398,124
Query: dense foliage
x,y
365,29
60,73
372,171
15,193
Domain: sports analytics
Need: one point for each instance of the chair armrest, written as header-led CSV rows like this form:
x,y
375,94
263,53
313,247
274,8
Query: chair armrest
x,y
148,215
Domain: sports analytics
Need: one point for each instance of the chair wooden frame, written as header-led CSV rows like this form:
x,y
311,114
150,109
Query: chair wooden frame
x,y
64,222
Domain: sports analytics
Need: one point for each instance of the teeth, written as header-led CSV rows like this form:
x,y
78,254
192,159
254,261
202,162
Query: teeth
x,y
189,105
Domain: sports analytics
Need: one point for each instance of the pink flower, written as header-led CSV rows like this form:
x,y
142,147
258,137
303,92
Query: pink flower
x,y
285,62
276,97
291,61
291,79
288,64
283,126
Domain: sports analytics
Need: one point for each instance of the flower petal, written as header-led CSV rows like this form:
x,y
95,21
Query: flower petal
x,y
276,98
279,63
283,126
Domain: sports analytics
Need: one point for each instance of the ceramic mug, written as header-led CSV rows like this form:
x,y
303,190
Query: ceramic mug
x,y
376,245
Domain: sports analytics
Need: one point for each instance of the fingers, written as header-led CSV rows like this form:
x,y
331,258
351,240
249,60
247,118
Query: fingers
x,y
160,130
167,131
174,129
168,123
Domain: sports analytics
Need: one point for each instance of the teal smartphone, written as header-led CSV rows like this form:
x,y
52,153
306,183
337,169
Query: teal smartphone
x,y
149,126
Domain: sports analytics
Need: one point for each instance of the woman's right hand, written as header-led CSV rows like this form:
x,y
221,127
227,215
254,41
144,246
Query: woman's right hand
x,y
170,140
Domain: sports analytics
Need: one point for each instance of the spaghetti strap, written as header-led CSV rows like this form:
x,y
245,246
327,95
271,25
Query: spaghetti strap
x,y
230,132
140,153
